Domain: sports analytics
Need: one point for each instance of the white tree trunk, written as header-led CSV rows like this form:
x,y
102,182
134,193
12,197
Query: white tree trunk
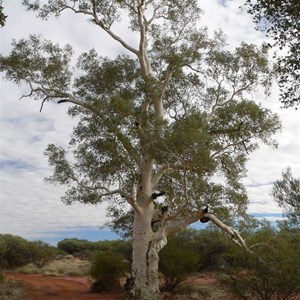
x,y
159,241
142,238
145,287
146,247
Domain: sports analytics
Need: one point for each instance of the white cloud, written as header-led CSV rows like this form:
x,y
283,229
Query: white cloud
x,y
31,208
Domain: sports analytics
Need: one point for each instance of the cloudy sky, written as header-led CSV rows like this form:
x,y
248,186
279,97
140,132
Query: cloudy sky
x,y
31,208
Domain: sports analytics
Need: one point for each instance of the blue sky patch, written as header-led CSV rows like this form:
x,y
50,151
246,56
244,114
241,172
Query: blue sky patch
x,y
92,234
14,164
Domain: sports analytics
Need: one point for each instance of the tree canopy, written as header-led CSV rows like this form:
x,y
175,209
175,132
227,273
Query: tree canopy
x,y
280,20
286,192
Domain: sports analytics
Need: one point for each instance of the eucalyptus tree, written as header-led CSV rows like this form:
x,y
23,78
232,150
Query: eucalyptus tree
x,y
286,192
280,21
166,128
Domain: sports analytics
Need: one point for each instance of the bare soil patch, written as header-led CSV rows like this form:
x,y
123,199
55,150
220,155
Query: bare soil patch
x,y
39,287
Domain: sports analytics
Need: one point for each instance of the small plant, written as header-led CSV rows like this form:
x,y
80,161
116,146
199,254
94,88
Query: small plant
x,y
176,262
10,289
107,269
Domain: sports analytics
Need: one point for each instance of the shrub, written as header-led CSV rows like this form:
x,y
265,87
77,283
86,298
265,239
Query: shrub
x,y
14,251
273,269
42,253
72,246
211,245
29,269
86,249
107,269
176,262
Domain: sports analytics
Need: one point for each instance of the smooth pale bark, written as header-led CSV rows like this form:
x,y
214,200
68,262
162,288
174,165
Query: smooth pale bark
x,y
159,241
142,238
146,248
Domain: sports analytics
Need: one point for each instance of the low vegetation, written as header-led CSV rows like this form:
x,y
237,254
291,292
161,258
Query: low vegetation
x,y
16,252
59,267
272,270
107,270
176,262
10,289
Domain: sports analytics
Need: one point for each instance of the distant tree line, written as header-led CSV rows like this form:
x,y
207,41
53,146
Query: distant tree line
x,y
16,252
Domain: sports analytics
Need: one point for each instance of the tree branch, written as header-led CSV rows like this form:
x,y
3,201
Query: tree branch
x,y
67,97
175,226
142,55
160,172
98,22
127,145
131,199
235,236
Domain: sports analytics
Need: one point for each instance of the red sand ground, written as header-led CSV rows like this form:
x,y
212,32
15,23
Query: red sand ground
x,y
39,287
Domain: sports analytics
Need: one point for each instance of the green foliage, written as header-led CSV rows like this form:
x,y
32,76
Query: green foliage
x,y
2,15
280,21
176,261
211,245
41,253
272,269
120,220
87,249
14,251
286,193
107,269
73,245
26,63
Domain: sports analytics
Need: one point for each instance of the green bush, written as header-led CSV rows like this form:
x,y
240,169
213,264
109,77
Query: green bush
x,y
273,268
177,261
42,253
124,248
107,269
86,249
211,245
14,251
72,246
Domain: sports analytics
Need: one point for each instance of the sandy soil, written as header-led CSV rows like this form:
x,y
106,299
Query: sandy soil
x,y
39,287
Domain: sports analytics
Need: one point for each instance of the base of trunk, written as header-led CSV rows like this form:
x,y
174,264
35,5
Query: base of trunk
x,y
146,293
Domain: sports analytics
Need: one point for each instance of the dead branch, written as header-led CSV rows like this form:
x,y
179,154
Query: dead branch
x,y
235,236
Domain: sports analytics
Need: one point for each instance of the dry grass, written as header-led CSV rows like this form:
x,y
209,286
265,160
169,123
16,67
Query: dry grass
x,y
201,286
10,289
63,267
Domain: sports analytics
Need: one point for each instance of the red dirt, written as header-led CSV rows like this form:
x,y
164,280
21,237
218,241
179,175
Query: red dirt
x,y
39,287
205,278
